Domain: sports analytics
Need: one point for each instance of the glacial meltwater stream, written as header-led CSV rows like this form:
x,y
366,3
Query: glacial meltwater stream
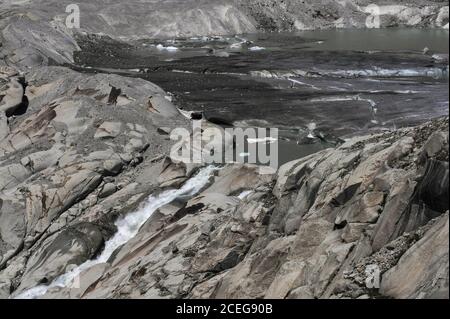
x,y
127,228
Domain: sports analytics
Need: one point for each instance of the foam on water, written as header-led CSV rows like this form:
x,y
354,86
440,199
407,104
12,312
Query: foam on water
x,y
161,47
127,228
269,140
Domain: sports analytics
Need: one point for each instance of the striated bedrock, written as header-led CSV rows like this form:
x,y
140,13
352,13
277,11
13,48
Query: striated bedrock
x,y
84,142
293,15
35,32
310,230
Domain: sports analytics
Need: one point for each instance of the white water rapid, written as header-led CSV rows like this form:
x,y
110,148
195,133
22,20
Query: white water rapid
x,y
127,228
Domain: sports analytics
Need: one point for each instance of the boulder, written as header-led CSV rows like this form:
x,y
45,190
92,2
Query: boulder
x,y
422,272
72,246
108,130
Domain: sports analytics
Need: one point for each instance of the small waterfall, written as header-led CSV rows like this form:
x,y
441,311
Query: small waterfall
x,y
127,228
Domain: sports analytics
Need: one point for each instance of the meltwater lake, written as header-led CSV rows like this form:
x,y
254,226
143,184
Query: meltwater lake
x,y
316,87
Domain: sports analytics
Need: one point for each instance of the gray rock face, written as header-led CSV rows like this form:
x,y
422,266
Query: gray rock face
x,y
78,151
72,246
273,15
53,41
422,272
68,168
312,230
4,128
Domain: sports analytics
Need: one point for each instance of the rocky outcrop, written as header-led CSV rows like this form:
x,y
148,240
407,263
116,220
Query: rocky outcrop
x,y
52,41
315,229
13,97
79,151
291,15
74,150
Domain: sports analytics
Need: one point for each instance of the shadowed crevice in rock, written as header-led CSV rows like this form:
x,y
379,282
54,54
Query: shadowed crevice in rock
x,y
73,246
186,211
429,201
22,107
113,95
